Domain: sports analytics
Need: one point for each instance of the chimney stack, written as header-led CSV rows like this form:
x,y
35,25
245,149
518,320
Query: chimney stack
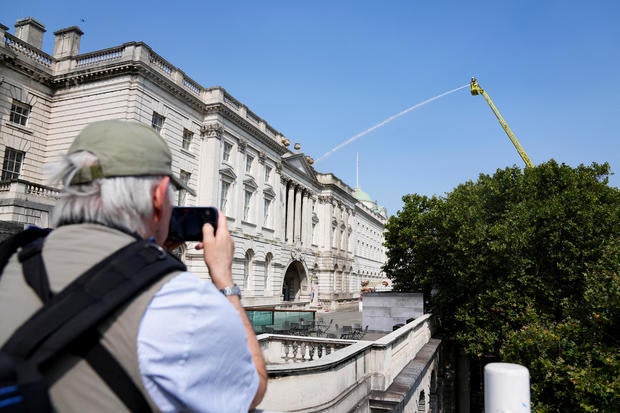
x,y
67,42
30,31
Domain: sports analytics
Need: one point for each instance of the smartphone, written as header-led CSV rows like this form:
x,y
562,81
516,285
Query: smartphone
x,y
186,222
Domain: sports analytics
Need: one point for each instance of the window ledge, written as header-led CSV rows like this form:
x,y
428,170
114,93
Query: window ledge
x,y
188,152
19,128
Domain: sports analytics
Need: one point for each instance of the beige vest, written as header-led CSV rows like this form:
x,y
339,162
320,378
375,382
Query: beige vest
x,y
67,253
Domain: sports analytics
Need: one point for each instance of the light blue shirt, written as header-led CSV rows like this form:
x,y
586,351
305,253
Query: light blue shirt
x,y
192,350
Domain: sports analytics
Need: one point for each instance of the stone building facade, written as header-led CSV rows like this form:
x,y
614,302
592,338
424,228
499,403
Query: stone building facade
x,y
303,238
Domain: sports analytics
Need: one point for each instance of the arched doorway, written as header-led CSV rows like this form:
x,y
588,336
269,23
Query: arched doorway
x,y
295,280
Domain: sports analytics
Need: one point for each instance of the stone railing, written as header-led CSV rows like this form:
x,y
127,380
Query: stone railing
x,y
23,48
282,349
20,186
160,63
100,56
342,379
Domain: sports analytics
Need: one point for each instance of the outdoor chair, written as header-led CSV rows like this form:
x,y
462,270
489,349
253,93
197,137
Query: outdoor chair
x,y
321,327
359,333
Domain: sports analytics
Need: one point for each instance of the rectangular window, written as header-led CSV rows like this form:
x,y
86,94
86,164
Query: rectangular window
x,y
184,177
224,195
247,204
249,160
12,164
266,211
157,122
226,152
267,173
19,112
187,139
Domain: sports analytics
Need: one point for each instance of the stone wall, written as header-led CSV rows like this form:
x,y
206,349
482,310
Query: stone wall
x,y
382,310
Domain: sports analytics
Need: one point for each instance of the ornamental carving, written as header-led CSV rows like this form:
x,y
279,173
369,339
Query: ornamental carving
x,y
211,130
296,252
241,145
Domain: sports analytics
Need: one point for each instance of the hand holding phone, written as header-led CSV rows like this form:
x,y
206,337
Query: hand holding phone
x,y
186,222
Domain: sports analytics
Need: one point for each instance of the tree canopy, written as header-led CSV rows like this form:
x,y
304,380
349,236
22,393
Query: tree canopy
x,y
523,266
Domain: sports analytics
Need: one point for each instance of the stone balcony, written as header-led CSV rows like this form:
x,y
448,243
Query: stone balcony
x,y
26,203
311,374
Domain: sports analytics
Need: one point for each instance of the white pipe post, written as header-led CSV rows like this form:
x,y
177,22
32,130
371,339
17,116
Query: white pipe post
x,y
506,388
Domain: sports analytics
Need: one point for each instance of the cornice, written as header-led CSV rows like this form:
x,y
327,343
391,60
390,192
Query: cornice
x,y
335,189
117,69
33,71
227,113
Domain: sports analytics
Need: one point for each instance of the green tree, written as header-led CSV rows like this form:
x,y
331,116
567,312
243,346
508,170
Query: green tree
x,y
522,266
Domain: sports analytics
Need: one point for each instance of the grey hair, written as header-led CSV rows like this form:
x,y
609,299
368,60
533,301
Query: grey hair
x,y
124,202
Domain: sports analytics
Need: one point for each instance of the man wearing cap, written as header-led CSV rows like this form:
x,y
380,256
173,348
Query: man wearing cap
x,y
185,343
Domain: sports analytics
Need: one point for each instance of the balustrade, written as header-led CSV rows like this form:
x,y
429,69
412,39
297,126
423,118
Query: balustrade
x,y
40,190
100,56
20,186
298,349
252,118
298,366
231,101
160,63
281,349
191,85
27,50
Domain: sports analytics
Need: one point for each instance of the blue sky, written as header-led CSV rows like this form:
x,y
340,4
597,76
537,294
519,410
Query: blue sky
x,y
322,72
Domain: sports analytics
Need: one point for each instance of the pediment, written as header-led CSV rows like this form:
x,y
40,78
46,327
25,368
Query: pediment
x,y
249,181
298,162
269,192
228,172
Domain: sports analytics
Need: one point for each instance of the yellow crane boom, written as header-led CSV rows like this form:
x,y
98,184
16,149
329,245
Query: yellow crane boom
x,y
475,89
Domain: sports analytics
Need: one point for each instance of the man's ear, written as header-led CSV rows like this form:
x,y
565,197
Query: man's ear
x,y
160,197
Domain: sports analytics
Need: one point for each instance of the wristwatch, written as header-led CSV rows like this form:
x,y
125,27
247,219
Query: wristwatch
x,y
231,290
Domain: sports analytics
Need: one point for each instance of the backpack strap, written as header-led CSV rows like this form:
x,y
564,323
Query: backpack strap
x,y
86,302
9,246
117,379
90,298
34,270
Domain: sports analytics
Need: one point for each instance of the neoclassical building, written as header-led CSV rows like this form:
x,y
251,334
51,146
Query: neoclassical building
x,y
303,238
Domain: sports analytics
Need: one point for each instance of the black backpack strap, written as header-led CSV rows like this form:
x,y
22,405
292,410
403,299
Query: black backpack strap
x,y
9,246
89,348
86,302
34,269
90,298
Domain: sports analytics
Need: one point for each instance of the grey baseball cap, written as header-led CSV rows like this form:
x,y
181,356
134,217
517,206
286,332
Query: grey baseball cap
x,y
124,148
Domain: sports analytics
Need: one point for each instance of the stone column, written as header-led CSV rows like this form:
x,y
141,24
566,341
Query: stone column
x,y
298,220
289,212
330,237
345,241
279,208
307,219
338,214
